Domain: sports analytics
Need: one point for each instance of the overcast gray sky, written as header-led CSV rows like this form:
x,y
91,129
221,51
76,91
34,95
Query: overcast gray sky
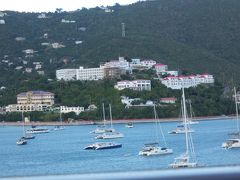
x,y
51,5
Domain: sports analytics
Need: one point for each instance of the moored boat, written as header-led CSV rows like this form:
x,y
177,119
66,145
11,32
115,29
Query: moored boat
x,y
112,135
129,125
35,130
103,145
21,141
154,149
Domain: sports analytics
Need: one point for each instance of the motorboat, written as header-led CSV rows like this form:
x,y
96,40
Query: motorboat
x,y
103,145
57,128
231,143
28,136
154,149
113,135
129,125
35,130
21,141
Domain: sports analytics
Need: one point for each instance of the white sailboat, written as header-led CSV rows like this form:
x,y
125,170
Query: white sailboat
x,y
181,128
190,120
22,140
188,159
110,135
153,149
59,127
234,142
103,128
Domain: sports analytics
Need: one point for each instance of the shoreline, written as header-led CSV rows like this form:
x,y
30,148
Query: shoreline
x,y
115,121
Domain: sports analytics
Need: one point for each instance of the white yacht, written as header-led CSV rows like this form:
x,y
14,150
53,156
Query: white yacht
x,y
154,149
103,145
129,125
113,135
234,142
35,130
187,159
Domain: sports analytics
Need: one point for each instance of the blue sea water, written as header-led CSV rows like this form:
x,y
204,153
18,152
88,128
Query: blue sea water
x,y
61,152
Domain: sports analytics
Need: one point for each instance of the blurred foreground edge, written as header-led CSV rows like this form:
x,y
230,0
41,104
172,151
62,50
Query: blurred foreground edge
x,y
218,173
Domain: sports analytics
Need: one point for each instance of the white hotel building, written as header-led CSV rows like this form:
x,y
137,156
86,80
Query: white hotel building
x,y
90,73
32,101
66,74
137,85
177,82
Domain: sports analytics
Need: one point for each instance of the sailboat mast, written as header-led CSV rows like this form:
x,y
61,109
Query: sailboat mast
x,y
190,108
236,105
155,118
110,113
23,125
185,121
104,118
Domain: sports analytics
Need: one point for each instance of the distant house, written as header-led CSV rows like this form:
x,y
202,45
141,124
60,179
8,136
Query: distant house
x,y
161,68
2,21
2,88
78,42
28,70
77,110
57,45
40,72
170,100
137,85
42,16
20,38
18,67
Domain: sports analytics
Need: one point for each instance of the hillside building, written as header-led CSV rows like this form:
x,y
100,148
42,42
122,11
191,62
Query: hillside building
x,y
137,85
77,110
32,101
177,82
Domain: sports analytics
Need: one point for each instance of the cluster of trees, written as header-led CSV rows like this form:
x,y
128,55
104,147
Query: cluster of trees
x,y
206,100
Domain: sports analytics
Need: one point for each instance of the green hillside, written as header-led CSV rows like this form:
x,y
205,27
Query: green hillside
x,y
198,36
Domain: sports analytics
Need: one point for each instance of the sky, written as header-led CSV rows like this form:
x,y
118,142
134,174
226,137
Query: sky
x,y
51,5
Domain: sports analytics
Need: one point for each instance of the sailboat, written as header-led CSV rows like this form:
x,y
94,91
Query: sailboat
x,y
190,120
181,128
22,140
113,134
234,142
61,127
103,128
152,149
187,159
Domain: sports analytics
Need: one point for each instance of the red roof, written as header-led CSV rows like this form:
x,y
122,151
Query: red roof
x,y
159,64
168,99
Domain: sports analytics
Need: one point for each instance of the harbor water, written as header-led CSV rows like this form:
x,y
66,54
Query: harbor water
x,y
62,152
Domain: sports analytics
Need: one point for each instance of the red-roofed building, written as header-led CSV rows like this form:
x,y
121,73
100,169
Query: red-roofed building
x,y
170,100
160,68
187,81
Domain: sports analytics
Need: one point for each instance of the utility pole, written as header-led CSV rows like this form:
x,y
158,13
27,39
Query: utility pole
x,y
123,30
